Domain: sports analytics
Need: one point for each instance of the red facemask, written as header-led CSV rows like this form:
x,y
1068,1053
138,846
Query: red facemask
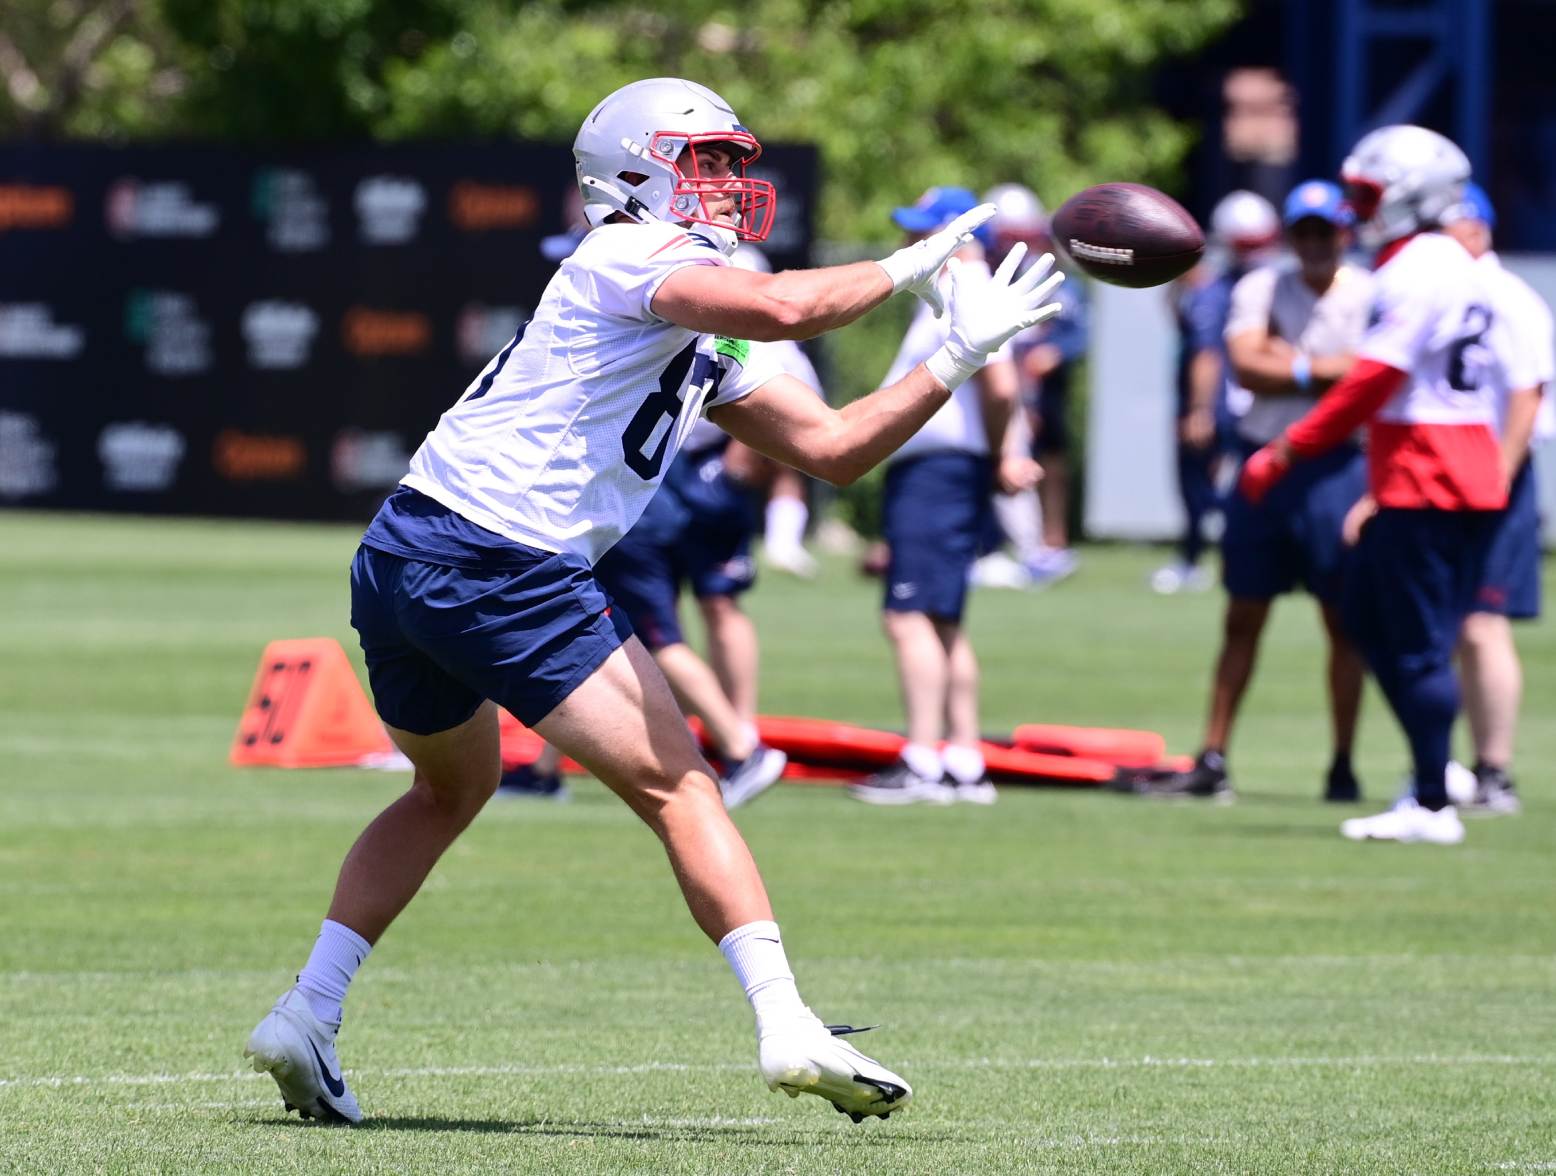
x,y
755,200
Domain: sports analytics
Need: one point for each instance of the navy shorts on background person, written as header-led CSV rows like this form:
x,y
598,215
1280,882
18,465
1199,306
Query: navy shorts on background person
x,y
936,512
449,613
639,576
713,550
1293,538
1511,585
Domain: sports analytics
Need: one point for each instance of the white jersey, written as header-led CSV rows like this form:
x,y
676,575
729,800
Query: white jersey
x,y
561,441
958,424
1274,298
783,355
1533,337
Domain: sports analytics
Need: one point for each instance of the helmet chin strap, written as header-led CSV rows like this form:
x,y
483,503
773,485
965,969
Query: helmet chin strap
x,y
617,200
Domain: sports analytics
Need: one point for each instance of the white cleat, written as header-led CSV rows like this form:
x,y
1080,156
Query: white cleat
x,y
298,1050
803,1056
796,561
1407,822
753,776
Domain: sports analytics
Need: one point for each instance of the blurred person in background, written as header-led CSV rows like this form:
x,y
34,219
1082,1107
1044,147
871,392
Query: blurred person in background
x,y
936,516
1428,380
1247,228
1489,668
1291,332
1045,358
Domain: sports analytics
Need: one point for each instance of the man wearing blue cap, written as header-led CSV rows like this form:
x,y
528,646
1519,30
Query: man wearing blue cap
x,y
937,510
1291,333
1490,673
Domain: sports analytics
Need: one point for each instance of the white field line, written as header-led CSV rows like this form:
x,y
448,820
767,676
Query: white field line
x,y
1359,1061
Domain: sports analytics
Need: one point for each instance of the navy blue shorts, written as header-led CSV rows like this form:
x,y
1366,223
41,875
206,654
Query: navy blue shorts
x,y
1511,586
936,512
639,575
1292,538
713,551
439,639
1410,584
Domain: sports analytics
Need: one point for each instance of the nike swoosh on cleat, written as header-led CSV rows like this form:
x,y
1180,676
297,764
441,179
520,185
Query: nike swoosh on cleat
x,y
332,1083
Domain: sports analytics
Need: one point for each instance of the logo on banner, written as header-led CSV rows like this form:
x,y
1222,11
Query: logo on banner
x,y
369,332
279,334
258,457
295,212
389,209
364,460
26,457
168,324
35,206
164,208
480,332
28,331
476,207
140,457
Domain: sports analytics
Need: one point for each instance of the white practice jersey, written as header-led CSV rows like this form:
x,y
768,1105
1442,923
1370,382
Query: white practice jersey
x,y
784,355
958,424
1532,334
561,441
1275,299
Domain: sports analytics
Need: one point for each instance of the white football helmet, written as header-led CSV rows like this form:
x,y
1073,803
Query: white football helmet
x,y
1400,180
630,151
1245,221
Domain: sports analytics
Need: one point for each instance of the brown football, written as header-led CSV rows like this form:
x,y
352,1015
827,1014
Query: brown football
x,y
1128,234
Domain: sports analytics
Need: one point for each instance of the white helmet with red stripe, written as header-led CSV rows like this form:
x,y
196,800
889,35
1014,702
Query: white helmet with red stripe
x,y
1400,180
637,155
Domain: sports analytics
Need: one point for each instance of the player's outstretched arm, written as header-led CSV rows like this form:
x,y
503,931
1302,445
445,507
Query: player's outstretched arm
x,y
785,420
800,304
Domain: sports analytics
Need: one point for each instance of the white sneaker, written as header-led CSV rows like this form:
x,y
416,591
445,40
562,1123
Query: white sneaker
x,y
298,1050
1407,822
978,792
796,561
998,570
1175,578
803,1056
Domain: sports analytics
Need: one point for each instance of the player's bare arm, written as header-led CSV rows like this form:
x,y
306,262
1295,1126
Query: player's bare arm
x,y
800,304
785,420
1518,430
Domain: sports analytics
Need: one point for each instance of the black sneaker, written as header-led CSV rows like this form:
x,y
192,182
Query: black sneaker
x,y
900,784
525,783
752,776
1206,780
1494,792
1341,785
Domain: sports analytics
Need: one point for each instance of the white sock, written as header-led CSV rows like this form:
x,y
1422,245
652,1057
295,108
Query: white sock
x,y
755,954
336,956
750,732
964,763
786,519
924,760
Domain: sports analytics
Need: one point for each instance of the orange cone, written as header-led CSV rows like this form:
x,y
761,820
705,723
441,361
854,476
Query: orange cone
x,y
307,710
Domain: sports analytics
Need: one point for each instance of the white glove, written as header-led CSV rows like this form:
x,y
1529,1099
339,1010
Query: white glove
x,y
985,316
916,267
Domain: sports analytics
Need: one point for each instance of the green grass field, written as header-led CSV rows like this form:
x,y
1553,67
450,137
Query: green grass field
x,y
1074,982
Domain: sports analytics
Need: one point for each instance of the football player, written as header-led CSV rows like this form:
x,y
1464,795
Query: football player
x,y
1490,671
474,584
936,514
1292,331
1426,382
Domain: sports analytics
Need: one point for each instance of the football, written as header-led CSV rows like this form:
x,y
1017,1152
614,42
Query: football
x,y
1128,234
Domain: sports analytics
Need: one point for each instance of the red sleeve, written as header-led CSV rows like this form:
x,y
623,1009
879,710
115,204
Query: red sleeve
x,y
1365,389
